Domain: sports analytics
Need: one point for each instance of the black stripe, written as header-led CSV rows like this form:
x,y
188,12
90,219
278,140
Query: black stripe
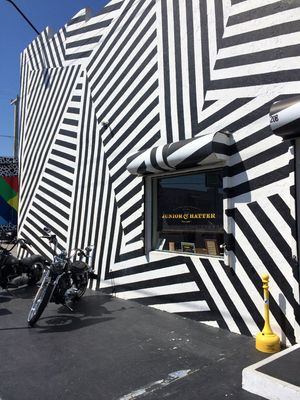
x,y
150,283
132,209
54,196
272,231
41,211
141,134
256,80
76,20
83,42
68,133
243,294
151,266
257,183
178,70
42,223
128,196
281,29
133,225
257,57
223,112
226,298
110,7
172,298
260,158
62,166
111,98
56,186
214,313
68,78
120,44
143,114
77,56
68,121
248,141
63,155
264,255
89,28
73,110
51,205
260,12
282,209
152,141
204,46
127,181
115,28
191,67
257,282
65,144
134,61
166,77
82,157
59,176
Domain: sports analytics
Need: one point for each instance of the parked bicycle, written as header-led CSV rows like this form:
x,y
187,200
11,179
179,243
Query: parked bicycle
x,y
63,279
15,272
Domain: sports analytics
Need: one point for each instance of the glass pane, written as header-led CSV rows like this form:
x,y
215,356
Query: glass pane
x,y
189,213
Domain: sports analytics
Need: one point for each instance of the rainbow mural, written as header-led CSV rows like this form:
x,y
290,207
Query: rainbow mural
x,y
9,189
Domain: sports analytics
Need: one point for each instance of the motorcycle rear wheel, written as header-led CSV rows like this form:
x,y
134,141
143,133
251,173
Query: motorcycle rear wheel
x,y
40,302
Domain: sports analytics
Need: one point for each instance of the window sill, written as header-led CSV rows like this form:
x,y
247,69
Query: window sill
x,y
156,255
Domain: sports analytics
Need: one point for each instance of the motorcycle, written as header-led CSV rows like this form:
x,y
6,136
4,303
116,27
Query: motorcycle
x,y
63,279
15,272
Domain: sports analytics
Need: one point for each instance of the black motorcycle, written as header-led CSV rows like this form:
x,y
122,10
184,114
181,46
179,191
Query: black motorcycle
x,y
15,272
63,279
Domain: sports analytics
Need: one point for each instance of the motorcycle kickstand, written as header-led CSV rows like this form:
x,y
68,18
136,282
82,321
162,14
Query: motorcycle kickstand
x,y
68,307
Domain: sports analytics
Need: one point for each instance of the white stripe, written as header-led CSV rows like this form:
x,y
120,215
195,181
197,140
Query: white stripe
x,y
281,64
216,296
184,287
259,45
155,274
261,23
249,6
189,306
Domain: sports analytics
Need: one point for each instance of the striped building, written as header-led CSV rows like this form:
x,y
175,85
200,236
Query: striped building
x,y
145,131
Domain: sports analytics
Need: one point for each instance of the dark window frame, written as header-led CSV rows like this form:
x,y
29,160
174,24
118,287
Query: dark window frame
x,y
213,245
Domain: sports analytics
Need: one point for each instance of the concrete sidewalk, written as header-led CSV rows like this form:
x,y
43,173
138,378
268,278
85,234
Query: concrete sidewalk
x,y
112,349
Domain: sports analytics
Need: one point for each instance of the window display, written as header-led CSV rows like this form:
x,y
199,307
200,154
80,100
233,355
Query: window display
x,y
188,213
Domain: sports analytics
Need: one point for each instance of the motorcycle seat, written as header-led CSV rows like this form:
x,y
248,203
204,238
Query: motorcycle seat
x,y
29,261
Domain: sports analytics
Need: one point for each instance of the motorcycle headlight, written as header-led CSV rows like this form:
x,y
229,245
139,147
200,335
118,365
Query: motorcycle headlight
x,y
58,264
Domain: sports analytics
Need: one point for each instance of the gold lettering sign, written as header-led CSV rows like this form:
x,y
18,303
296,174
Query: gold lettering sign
x,y
188,216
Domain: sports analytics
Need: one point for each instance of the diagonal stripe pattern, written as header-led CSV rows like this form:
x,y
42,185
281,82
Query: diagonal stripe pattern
x,y
133,79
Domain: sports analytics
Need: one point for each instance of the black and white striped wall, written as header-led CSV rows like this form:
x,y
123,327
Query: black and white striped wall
x,y
141,74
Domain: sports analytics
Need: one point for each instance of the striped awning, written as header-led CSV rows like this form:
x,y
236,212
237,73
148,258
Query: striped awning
x,y
200,150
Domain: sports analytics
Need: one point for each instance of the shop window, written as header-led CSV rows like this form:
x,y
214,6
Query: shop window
x,y
188,213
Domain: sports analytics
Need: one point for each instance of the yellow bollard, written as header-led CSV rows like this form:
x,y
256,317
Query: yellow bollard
x,y
266,340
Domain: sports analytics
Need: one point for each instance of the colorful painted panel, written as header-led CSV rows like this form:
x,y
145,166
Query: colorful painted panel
x,y
9,188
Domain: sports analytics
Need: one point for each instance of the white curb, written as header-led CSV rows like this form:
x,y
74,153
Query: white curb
x,y
267,386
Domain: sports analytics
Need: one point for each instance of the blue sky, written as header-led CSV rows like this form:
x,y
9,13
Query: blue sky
x,y
15,35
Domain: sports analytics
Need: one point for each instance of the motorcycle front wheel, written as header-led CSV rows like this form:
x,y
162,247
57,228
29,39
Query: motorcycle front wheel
x,y
81,288
40,301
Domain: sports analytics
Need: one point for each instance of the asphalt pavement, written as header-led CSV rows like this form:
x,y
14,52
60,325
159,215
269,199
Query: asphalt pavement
x,y
113,349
